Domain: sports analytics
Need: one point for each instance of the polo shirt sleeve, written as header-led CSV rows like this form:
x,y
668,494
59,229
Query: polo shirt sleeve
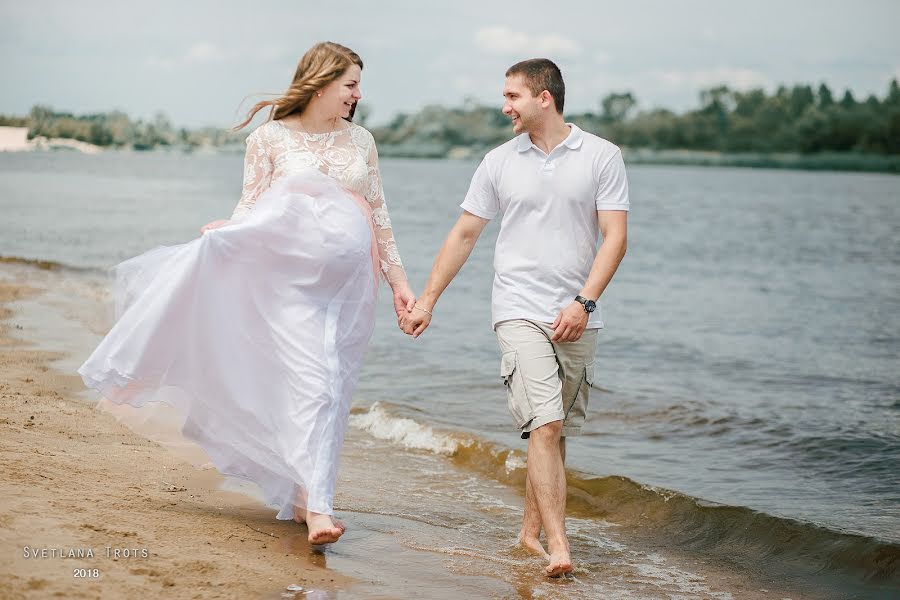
x,y
612,191
481,199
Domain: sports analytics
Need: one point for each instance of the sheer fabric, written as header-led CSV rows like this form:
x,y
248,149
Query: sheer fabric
x,y
347,155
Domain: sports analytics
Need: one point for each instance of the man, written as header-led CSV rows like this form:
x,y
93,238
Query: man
x,y
555,187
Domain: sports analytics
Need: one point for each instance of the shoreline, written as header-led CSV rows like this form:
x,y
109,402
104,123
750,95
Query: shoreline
x,y
15,139
79,480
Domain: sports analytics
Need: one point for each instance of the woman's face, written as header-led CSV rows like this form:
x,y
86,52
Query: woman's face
x,y
339,96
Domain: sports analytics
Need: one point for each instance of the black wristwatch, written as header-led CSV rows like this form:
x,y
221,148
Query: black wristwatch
x,y
589,305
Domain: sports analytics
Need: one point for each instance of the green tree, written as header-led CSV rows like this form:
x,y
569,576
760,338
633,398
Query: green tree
x,y
616,106
893,97
825,98
848,101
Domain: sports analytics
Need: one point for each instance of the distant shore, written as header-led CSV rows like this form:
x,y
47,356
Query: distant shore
x,y
15,139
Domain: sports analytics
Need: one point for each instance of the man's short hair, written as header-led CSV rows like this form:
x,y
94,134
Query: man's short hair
x,y
542,74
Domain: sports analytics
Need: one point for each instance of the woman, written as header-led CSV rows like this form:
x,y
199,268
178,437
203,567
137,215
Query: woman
x,y
256,331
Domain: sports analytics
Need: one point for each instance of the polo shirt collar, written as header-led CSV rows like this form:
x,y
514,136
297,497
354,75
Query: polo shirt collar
x,y
572,142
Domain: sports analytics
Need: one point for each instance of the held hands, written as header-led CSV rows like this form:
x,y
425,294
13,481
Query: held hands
x,y
404,300
415,322
570,324
411,319
214,225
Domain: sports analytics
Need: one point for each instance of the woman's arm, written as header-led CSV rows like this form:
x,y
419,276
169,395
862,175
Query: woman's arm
x,y
258,170
388,253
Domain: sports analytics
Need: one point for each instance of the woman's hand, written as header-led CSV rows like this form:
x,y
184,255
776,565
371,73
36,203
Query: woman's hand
x,y
214,225
404,299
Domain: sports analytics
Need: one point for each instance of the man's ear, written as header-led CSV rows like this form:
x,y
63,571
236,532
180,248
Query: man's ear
x,y
546,99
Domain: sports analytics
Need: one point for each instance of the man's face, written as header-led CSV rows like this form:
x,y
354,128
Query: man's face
x,y
521,105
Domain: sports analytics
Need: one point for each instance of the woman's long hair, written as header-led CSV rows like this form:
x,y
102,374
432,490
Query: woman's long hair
x,y
322,64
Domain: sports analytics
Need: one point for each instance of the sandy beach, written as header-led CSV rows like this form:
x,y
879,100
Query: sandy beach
x,y
15,139
76,483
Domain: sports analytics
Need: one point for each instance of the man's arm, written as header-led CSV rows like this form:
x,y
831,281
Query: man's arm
x,y
571,322
450,259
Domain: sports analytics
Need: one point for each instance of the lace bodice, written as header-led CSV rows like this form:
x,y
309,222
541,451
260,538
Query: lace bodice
x,y
348,155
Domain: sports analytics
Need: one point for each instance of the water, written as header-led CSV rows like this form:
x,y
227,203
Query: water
x,y
750,357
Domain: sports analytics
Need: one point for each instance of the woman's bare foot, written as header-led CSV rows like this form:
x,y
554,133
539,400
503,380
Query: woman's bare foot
x,y
300,517
300,506
322,530
560,564
533,546
299,514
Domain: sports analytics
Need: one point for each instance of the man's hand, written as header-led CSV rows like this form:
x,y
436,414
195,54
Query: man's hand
x,y
214,225
570,323
416,322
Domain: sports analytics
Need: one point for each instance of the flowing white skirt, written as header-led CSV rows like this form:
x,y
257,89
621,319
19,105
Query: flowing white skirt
x,y
253,336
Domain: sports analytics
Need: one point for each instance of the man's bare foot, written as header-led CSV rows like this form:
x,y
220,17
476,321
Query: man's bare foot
x,y
533,546
560,564
322,530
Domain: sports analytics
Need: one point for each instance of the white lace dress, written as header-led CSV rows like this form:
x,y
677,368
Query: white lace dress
x,y
251,337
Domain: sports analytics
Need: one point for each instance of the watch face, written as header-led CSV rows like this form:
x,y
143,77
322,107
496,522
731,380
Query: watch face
x,y
590,306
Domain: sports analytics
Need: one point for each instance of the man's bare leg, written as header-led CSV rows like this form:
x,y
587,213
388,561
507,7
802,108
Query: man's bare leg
x,y
548,480
529,536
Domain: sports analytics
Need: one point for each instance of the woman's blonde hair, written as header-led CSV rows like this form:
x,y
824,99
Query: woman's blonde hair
x,y
322,64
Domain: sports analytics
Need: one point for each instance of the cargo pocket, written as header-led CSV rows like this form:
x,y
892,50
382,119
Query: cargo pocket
x,y
516,399
577,407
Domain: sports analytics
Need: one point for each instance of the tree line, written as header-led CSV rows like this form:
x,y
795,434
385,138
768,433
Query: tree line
x,y
796,119
799,119
116,129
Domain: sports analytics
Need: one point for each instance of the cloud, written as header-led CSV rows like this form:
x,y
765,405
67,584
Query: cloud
x,y
602,58
203,52
704,78
504,41
197,54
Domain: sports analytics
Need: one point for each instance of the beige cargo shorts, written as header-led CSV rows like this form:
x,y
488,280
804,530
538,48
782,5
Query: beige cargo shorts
x,y
545,381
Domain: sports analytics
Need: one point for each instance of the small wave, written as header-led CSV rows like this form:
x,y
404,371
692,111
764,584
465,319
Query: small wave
x,y
46,265
463,449
732,533
406,432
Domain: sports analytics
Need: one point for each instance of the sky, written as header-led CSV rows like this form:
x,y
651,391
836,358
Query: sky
x,y
197,61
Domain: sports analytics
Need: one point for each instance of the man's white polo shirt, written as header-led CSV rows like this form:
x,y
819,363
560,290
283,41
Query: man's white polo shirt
x,y
548,229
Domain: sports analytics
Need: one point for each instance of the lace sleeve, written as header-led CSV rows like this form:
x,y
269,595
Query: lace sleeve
x,y
257,174
388,253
